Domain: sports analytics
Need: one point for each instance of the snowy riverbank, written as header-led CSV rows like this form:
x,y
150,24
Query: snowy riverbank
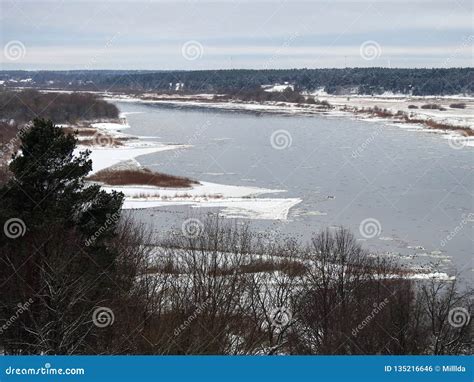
x,y
344,106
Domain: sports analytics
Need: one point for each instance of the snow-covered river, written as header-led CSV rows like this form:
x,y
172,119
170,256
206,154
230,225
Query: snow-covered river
x,y
400,191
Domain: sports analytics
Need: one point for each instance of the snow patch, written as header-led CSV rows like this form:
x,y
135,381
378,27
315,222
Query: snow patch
x,y
278,88
235,201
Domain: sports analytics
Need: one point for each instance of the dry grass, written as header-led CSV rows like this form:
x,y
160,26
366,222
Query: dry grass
x,y
290,267
404,117
82,132
142,177
466,131
433,106
167,267
376,111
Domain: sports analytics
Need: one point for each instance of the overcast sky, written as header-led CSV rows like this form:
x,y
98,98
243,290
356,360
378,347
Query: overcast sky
x,y
193,34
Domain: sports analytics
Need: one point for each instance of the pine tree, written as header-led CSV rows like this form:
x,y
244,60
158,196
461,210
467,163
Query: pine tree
x,y
55,246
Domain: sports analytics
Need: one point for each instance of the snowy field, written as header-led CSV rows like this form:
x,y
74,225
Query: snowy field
x,y
394,103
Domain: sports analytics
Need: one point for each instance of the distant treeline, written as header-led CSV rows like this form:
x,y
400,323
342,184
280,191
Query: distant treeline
x,y
335,81
260,95
26,105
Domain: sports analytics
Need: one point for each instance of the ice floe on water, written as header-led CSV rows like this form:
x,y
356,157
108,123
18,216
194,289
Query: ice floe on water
x,y
234,201
245,208
110,126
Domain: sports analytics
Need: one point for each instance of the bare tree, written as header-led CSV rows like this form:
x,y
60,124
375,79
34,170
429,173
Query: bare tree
x,y
448,317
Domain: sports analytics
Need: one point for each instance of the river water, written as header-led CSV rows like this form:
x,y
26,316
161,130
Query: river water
x,y
411,190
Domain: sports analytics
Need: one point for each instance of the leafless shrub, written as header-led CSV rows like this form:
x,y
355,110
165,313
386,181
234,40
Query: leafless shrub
x,y
432,106
459,105
82,132
325,104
